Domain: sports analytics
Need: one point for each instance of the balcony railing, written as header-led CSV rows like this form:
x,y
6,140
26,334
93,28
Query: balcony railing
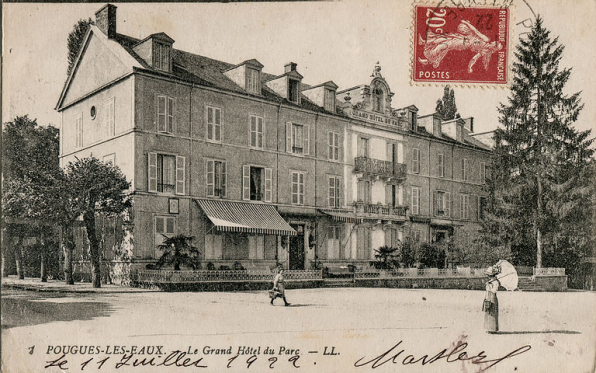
x,y
377,167
369,208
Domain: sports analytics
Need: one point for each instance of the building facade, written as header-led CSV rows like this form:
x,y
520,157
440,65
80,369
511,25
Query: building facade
x,y
263,169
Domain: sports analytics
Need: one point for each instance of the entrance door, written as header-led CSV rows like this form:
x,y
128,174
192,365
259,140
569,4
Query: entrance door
x,y
297,249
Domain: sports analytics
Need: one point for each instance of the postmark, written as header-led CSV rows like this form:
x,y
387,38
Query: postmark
x,y
457,42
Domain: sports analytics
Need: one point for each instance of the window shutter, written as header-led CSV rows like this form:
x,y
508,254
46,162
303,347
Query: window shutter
x,y
338,192
288,137
261,132
306,139
152,172
210,178
252,131
268,184
224,179
180,175
170,116
435,203
388,192
246,182
301,187
161,113
388,237
448,204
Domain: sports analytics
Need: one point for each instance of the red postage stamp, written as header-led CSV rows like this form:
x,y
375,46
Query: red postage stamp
x,y
461,44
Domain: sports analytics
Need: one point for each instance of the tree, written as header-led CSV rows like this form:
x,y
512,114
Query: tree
x,y
75,39
386,257
96,188
446,106
178,250
431,255
541,180
30,170
407,253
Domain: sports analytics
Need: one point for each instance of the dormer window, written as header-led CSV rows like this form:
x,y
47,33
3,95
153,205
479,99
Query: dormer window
x,y
293,90
329,100
378,99
253,81
161,56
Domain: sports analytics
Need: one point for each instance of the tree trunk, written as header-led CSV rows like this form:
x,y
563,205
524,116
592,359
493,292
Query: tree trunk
x,y
68,246
538,232
19,258
89,219
43,265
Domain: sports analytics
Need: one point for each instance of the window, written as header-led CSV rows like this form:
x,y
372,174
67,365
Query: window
x,y
297,188
333,242
165,226
441,165
378,99
109,116
297,138
253,83
464,206
213,124
293,93
415,200
362,147
216,178
333,146
413,121
464,169
391,196
161,56
165,114
416,160
166,173
442,203
256,183
417,235
256,132
256,247
334,191
79,131
482,173
364,191
329,100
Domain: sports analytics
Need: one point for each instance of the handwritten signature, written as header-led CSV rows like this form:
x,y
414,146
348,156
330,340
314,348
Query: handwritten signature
x,y
394,355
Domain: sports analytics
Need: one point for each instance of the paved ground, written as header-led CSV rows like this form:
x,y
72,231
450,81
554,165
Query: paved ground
x,y
354,323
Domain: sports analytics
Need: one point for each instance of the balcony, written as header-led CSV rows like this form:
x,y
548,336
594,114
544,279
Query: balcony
x,y
380,168
381,211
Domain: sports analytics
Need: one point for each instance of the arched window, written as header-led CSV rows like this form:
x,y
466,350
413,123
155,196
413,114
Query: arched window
x,y
378,99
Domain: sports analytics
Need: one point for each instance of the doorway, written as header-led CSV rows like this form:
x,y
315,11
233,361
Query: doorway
x,y
297,248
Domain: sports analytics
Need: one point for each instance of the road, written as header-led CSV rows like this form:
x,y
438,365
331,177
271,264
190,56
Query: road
x,y
324,330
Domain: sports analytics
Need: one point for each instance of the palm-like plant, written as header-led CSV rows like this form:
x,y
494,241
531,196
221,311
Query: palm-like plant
x,y
178,250
386,257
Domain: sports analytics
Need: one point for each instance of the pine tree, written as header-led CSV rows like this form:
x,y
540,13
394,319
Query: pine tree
x,y
75,39
446,106
540,183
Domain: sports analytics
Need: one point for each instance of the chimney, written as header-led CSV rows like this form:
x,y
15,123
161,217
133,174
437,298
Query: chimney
x,y
105,20
291,66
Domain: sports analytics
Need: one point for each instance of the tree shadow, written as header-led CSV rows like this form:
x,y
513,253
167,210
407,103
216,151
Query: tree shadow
x,y
27,311
538,332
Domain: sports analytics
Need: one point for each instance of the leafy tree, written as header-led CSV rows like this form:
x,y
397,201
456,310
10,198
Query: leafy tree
x,y
446,106
407,252
431,255
96,188
75,39
178,250
30,170
541,184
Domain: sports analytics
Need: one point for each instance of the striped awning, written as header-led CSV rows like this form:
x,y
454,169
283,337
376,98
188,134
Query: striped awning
x,y
343,216
228,216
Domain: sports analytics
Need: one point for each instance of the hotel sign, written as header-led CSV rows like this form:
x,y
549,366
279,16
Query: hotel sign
x,y
375,118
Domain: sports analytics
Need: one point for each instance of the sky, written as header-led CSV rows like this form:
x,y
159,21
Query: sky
x,y
339,41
